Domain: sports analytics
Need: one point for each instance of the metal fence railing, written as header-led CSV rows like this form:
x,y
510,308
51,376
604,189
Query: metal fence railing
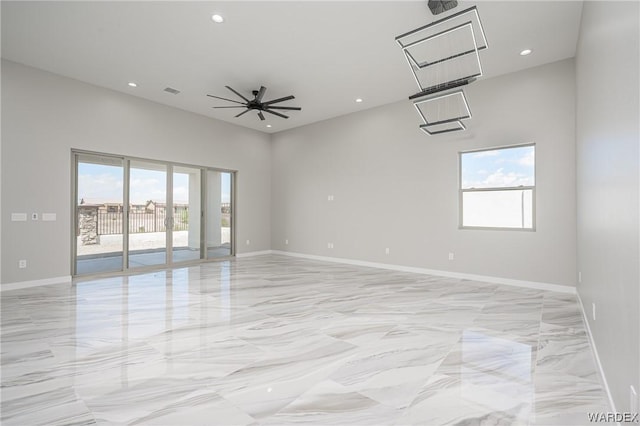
x,y
139,222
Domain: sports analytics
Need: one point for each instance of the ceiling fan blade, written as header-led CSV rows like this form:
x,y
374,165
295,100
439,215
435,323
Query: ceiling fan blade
x,y
285,107
276,113
225,99
243,112
247,100
275,101
261,115
239,106
261,93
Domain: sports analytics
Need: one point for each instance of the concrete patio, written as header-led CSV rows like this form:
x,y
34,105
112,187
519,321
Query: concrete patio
x,y
145,249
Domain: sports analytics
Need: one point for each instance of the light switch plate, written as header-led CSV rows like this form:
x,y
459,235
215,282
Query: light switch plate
x,y
18,217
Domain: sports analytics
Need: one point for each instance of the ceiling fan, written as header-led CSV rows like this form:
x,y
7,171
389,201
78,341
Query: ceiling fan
x,y
257,104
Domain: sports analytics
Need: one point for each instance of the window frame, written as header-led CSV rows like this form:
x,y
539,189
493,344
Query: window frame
x,y
461,190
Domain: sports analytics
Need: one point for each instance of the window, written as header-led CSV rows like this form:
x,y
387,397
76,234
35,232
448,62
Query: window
x,y
497,188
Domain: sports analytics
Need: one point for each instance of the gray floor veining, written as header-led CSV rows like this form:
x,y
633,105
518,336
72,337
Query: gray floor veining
x,y
276,340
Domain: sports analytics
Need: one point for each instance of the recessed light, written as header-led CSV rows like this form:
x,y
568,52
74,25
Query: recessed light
x,y
269,125
218,19
132,84
526,52
359,100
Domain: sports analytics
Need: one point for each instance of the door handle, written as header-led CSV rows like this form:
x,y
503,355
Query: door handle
x,y
169,222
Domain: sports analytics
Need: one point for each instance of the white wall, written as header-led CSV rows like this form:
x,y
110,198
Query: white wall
x,y
607,75
396,187
45,115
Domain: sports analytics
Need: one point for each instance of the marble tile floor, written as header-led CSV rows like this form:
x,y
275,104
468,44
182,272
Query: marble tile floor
x,y
276,340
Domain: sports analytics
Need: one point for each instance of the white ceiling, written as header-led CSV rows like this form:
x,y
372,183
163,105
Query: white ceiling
x,y
326,53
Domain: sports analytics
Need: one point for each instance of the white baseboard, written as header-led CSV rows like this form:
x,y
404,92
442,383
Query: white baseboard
x,y
595,352
494,280
36,283
254,253
412,269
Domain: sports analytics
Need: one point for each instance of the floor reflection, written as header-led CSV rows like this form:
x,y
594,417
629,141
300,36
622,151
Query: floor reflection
x,y
276,340
496,373
225,290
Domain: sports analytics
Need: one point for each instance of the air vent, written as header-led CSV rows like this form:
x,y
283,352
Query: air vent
x,y
171,90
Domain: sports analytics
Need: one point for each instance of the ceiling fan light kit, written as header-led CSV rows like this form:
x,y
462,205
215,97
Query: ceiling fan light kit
x,y
256,104
444,56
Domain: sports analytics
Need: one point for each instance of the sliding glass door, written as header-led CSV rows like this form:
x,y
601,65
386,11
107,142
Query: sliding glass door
x,y
98,214
149,214
219,214
133,213
187,211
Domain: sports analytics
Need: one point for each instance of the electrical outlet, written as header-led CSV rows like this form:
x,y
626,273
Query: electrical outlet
x,y
593,309
633,400
450,256
248,242
286,242
329,197
386,251
22,263
329,245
